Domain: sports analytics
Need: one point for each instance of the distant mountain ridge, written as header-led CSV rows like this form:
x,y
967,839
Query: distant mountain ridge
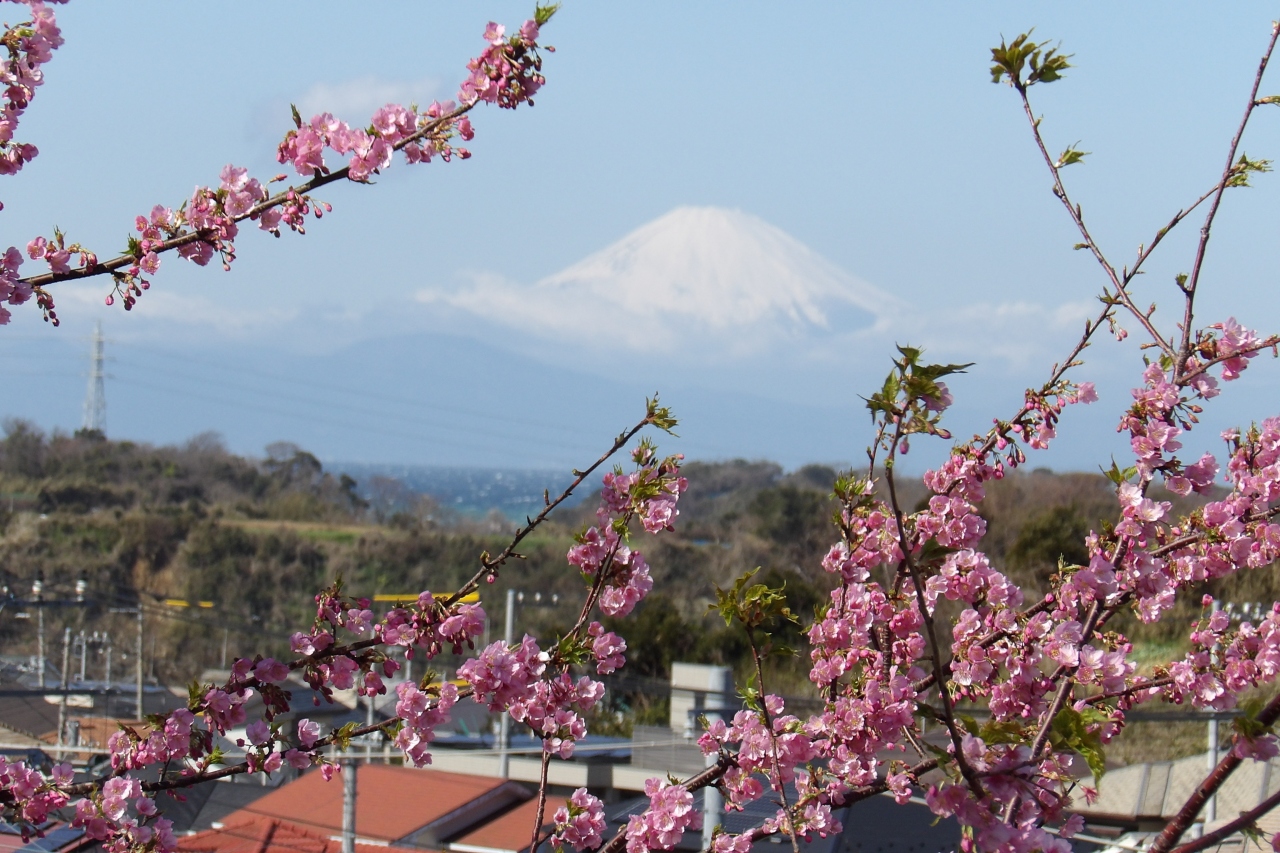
x,y
694,272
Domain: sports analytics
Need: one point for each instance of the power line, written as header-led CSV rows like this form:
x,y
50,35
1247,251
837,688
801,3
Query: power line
x,y
415,419
328,421
361,392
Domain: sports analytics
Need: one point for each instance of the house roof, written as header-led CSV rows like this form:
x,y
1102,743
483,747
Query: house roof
x,y
201,806
58,838
508,833
28,715
391,802
1158,789
270,835
96,731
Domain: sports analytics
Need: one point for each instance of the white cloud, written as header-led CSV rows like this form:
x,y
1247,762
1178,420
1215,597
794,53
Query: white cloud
x,y
1017,332
354,101
169,310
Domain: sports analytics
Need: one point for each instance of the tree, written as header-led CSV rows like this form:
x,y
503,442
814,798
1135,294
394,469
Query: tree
x,y
919,621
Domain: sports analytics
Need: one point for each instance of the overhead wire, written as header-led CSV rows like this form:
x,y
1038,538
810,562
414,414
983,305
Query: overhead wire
x,y
327,420
371,395
414,419
426,413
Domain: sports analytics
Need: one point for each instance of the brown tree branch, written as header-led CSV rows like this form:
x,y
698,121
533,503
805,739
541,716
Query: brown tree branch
x,y
1187,814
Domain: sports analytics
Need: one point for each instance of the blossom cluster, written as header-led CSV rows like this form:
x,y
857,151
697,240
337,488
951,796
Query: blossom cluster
x,y
661,826
509,71
124,817
421,716
650,493
29,46
580,823
774,750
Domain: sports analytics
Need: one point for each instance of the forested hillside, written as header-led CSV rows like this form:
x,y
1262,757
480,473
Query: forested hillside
x,y
255,539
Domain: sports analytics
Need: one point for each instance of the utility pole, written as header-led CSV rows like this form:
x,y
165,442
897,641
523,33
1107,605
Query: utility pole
x,y
504,724
1211,805
720,687
106,670
95,400
37,588
83,642
66,671
138,654
348,806
368,721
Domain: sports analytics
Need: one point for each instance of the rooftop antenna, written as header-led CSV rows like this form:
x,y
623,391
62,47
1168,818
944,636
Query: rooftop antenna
x,y
95,398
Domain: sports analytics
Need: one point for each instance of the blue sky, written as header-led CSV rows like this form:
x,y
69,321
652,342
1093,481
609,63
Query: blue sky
x,y
868,133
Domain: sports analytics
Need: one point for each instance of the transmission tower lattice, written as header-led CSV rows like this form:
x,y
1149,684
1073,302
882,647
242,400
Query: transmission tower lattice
x,y
95,399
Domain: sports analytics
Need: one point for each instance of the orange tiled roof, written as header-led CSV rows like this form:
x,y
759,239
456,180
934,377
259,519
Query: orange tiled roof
x,y
270,835
511,831
391,802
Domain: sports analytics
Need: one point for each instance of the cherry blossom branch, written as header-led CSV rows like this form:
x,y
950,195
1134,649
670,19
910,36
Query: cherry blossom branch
x,y
1188,376
1138,687
939,668
767,718
654,415
542,802
699,780
280,198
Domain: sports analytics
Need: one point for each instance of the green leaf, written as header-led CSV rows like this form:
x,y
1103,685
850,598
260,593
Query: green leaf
x,y
660,416
1002,732
1119,475
342,737
1238,176
542,14
1070,156
1069,731
1011,59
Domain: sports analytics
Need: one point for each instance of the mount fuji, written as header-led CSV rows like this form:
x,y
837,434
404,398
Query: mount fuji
x,y
707,279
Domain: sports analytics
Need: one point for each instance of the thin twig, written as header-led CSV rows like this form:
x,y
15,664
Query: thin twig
x,y
773,740
1193,279
1073,210
488,565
